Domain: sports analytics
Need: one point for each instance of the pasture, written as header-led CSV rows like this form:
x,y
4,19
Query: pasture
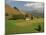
x,y
24,26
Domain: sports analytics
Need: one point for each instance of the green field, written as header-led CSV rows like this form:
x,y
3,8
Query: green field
x,y
24,26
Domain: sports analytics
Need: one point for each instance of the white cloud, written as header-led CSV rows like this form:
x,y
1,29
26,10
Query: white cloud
x,y
34,5
28,4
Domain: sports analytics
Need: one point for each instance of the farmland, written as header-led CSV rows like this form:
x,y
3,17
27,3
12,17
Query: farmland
x,y
24,26
24,17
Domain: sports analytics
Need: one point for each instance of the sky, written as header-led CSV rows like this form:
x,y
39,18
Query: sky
x,y
27,6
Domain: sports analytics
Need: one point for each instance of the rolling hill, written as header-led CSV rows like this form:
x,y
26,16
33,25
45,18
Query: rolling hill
x,y
12,11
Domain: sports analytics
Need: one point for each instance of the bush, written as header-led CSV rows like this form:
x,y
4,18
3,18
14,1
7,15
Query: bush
x,y
6,14
17,17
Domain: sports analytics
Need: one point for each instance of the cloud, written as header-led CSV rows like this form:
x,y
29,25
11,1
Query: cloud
x,y
28,4
34,5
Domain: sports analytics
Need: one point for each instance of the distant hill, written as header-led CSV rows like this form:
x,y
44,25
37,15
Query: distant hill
x,y
38,12
18,13
11,11
21,11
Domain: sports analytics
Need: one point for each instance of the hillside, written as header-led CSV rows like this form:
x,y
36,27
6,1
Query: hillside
x,y
12,11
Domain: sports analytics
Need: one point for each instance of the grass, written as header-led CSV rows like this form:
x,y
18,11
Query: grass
x,y
11,26
23,26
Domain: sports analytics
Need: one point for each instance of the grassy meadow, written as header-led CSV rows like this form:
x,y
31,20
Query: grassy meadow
x,y
24,26
24,17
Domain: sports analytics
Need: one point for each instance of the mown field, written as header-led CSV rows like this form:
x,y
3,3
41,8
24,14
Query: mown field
x,y
24,26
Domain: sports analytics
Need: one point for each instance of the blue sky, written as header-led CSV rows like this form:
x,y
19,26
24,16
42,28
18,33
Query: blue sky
x,y
18,4
28,6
